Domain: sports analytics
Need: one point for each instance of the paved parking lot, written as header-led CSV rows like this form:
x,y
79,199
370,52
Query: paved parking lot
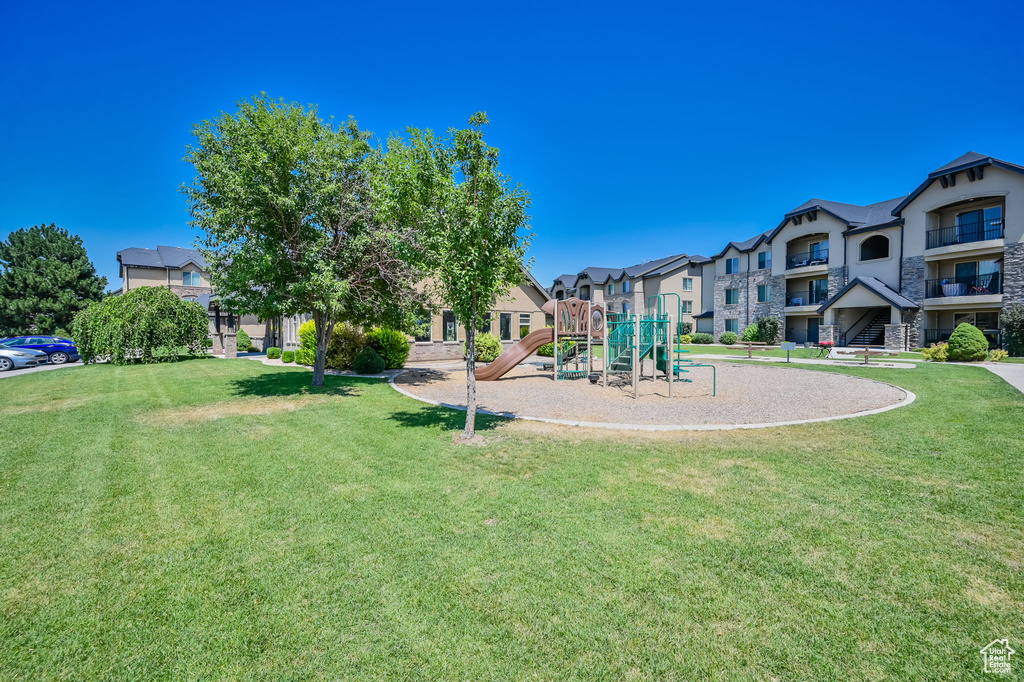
x,y
39,368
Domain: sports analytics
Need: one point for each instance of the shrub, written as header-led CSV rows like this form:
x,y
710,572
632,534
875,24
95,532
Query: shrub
x,y
686,328
288,356
523,331
273,352
391,345
1012,322
728,338
346,342
686,338
702,338
935,352
148,324
769,328
997,355
368,361
751,333
548,349
967,344
243,341
306,354
488,347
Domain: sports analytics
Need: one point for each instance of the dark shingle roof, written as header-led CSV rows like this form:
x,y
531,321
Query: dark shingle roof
x,y
878,287
567,280
602,275
161,257
745,245
962,163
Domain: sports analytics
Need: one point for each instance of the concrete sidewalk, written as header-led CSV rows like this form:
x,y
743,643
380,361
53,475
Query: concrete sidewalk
x,y
1012,373
894,364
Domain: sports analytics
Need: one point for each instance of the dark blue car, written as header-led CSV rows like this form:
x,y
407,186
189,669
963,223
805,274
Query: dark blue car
x,y
57,349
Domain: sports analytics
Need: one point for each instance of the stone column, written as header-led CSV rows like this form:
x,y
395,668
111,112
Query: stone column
x,y
826,332
230,345
895,335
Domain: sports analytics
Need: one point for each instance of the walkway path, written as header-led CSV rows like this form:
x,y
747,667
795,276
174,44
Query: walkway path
x,y
1013,373
875,362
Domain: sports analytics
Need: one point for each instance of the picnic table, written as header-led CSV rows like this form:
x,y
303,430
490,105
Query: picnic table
x,y
751,346
868,353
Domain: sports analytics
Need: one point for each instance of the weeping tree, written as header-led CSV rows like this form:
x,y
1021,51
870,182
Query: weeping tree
x,y
471,220
288,223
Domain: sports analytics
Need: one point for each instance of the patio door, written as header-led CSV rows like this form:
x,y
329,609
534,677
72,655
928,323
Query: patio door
x,y
812,329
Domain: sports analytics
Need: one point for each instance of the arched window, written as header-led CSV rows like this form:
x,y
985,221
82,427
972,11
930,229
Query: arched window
x,y
874,247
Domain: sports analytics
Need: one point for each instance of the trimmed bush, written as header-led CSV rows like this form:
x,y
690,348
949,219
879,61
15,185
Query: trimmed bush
x,y
306,354
769,328
391,345
368,361
242,340
548,349
686,338
148,324
273,352
935,352
751,333
346,342
997,355
702,338
288,356
1012,322
523,331
728,338
488,347
687,328
967,344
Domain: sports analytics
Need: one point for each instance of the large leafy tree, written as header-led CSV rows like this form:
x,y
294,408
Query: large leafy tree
x,y
472,220
45,278
289,225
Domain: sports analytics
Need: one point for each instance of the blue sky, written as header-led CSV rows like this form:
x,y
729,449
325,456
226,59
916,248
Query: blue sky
x,y
639,129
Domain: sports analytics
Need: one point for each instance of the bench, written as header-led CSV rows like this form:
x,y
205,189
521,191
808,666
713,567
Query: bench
x,y
751,346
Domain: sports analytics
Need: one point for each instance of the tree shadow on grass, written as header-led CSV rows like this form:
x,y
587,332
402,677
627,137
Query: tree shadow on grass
x,y
447,418
297,383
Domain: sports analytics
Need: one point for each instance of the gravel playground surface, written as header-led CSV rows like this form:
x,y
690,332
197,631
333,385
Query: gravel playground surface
x,y
747,394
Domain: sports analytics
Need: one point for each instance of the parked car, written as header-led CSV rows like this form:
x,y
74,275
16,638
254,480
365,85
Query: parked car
x,y
16,358
58,350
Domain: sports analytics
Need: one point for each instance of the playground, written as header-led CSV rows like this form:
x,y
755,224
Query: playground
x,y
647,381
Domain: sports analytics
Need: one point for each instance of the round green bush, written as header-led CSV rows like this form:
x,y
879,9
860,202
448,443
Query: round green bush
x,y
768,329
346,342
368,361
728,338
751,333
273,352
967,344
243,341
390,344
488,347
702,338
288,356
306,354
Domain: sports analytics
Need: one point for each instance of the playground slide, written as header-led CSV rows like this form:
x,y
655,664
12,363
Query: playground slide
x,y
516,354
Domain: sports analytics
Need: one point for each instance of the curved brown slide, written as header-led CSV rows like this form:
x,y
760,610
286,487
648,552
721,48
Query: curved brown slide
x,y
516,354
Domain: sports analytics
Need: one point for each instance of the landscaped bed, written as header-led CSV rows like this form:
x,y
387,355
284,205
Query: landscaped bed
x,y
747,394
217,519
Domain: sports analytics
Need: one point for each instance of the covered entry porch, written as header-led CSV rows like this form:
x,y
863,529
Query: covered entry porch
x,y
867,312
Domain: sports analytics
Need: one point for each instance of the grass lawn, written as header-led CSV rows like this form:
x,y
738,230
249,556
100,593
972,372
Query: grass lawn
x,y
219,520
779,353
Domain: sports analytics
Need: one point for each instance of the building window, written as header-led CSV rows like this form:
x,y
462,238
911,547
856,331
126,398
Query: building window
x,y
874,247
732,325
611,289
190,279
525,322
626,288
423,329
764,260
732,265
625,307
687,306
484,325
687,283
764,293
505,326
732,296
450,326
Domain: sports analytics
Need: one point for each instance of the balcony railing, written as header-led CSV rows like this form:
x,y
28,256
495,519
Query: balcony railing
x,y
965,233
936,335
812,297
977,285
799,260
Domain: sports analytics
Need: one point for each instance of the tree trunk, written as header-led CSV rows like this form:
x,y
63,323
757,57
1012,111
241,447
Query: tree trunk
x,y
470,378
324,329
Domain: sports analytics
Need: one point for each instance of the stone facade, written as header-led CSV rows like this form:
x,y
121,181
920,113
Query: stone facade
x,y
826,333
636,301
837,279
778,304
1013,274
896,336
182,291
912,275
746,310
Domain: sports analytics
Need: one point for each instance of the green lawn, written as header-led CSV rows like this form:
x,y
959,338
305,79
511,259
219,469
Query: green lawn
x,y
218,520
779,353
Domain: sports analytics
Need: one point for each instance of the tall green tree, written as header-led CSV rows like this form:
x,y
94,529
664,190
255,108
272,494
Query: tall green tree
x,y
289,226
471,218
45,278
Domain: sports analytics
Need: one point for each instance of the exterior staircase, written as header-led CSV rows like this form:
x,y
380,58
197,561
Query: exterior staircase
x,y
873,334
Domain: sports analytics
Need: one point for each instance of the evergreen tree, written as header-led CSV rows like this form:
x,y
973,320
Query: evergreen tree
x,y
45,278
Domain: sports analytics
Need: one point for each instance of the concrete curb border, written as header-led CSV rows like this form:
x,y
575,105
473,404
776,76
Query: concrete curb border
x,y
909,398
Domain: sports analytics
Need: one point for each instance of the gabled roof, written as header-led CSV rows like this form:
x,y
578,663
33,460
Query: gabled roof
x,y
161,257
672,265
745,245
876,286
970,160
602,275
854,216
540,287
705,314
567,280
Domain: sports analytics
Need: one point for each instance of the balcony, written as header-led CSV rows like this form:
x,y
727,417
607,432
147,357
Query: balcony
x,y
977,285
965,233
812,297
799,260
